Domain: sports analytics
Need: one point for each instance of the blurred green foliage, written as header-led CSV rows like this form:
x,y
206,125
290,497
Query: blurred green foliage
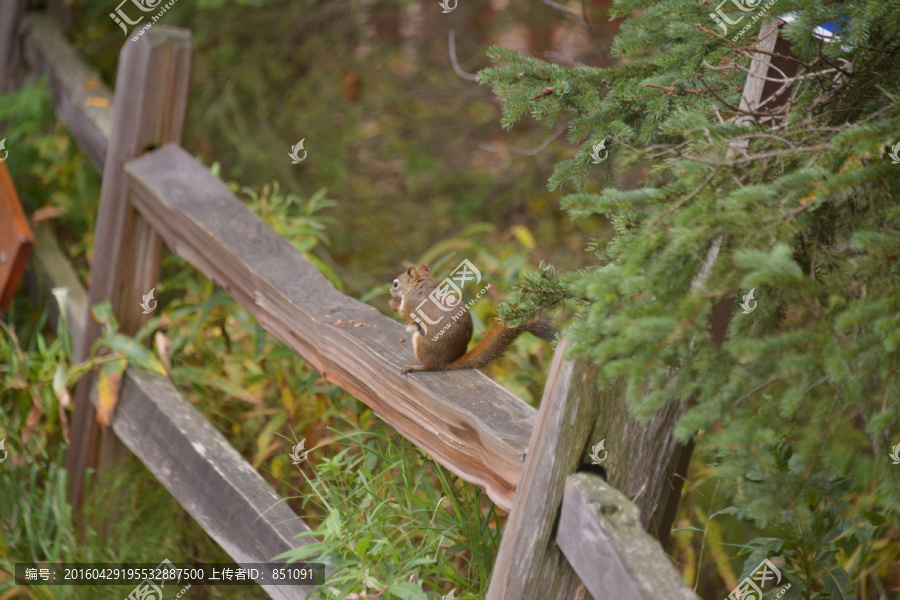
x,y
49,171
392,133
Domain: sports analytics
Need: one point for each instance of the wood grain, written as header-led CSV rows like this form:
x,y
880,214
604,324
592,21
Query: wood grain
x,y
759,67
643,456
151,97
756,83
10,14
468,423
207,476
601,535
529,564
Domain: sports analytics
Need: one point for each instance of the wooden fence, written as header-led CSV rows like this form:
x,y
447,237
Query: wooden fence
x,y
570,534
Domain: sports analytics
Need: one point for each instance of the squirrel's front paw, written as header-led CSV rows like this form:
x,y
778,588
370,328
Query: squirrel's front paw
x,y
394,304
411,368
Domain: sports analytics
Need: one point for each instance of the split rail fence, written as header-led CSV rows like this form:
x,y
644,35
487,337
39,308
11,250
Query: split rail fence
x,y
570,532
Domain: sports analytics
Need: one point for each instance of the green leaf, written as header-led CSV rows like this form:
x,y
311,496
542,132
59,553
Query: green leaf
x,y
837,584
332,524
103,314
418,562
138,355
363,544
62,324
791,592
407,591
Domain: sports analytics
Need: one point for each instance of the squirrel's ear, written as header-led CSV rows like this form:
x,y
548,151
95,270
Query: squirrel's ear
x,y
425,268
411,271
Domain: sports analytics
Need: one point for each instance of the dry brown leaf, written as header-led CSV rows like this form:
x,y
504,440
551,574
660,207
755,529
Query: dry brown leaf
x,y
45,213
63,397
107,396
64,423
108,381
34,417
93,83
98,102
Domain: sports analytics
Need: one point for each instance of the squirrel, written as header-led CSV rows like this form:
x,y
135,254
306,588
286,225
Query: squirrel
x,y
442,327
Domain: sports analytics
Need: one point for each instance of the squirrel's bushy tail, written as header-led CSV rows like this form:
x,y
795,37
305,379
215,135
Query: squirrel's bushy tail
x,y
543,329
497,340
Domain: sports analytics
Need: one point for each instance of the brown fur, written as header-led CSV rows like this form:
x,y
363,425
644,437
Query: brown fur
x,y
448,351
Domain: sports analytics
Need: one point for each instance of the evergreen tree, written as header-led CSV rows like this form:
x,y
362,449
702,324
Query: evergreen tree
x,y
798,202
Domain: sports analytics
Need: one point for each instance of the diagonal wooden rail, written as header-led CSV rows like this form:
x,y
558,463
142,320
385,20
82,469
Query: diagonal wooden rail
x,y
467,422
80,98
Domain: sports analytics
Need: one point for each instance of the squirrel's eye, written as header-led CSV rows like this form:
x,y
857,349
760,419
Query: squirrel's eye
x,y
396,283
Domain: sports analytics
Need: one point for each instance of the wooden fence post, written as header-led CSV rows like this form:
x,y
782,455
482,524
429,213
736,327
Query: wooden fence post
x,y
149,110
529,564
532,560
10,14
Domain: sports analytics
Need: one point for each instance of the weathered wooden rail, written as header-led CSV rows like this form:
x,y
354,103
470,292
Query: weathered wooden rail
x,y
467,422
568,535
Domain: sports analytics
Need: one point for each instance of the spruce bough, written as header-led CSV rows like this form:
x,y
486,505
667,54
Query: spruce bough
x,y
799,407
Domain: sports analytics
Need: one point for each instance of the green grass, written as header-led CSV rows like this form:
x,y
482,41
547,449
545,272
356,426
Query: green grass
x,y
396,524
143,524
